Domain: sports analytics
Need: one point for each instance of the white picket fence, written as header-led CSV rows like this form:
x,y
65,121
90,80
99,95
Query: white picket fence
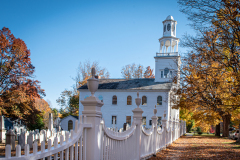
x,y
124,145
92,140
115,145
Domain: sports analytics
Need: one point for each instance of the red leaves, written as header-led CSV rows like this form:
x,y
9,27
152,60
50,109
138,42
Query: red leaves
x,y
17,90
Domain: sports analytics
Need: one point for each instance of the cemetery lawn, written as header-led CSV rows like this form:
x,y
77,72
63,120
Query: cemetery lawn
x,y
201,147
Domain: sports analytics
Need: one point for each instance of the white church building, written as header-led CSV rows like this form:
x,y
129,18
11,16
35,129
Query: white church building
x,y
118,95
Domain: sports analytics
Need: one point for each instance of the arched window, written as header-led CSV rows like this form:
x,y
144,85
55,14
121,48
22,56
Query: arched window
x,y
114,99
144,100
166,71
129,100
159,100
70,125
100,98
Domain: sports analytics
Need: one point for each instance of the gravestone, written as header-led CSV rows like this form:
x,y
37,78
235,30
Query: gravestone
x,y
50,122
36,131
22,139
10,139
30,140
42,135
2,130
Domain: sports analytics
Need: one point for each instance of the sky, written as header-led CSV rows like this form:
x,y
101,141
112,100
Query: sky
x,y
60,34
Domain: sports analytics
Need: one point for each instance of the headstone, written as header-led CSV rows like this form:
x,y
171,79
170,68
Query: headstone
x,y
41,137
30,140
48,134
37,131
50,122
22,139
10,139
2,130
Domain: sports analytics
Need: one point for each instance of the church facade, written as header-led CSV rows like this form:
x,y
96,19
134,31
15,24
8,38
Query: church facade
x,y
118,95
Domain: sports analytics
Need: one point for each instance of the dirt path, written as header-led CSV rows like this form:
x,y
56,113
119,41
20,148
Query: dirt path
x,y
201,147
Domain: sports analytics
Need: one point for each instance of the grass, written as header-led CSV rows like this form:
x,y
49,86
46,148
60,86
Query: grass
x,y
206,135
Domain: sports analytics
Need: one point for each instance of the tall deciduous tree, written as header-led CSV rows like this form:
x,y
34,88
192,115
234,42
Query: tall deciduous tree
x,y
17,90
212,70
69,99
84,72
149,73
44,108
135,71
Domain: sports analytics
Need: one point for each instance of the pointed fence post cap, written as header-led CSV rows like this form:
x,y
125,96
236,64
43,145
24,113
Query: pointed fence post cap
x,y
92,83
138,100
155,110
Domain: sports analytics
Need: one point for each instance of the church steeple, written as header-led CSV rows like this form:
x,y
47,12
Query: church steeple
x,y
165,60
169,42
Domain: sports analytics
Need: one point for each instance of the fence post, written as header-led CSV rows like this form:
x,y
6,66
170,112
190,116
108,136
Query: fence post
x,y
171,128
164,126
154,123
174,131
184,126
92,110
137,116
180,126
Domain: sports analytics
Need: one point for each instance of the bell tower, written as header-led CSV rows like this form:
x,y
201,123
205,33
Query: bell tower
x,y
167,61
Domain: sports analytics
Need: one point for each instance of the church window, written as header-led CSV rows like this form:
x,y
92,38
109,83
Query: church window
x,y
100,98
150,122
166,71
114,119
114,99
168,27
161,74
70,125
129,100
170,74
144,100
159,123
164,28
143,120
159,100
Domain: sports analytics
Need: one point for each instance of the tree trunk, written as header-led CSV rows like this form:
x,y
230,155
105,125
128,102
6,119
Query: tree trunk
x,y
238,140
226,122
217,131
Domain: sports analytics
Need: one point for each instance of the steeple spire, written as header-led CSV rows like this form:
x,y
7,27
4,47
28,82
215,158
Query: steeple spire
x,y
165,61
169,42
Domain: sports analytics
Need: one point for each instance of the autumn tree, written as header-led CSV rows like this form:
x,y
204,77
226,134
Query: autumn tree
x,y
212,76
133,71
17,88
69,99
149,73
44,108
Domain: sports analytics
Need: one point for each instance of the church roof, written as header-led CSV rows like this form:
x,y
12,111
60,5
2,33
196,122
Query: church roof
x,y
131,84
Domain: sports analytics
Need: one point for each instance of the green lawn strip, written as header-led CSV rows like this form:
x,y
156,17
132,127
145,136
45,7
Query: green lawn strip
x,y
235,145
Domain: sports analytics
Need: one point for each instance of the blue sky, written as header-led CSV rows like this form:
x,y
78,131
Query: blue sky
x,y
61,34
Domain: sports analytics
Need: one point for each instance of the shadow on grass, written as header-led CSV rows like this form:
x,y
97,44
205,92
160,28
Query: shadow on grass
x,y
201,137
